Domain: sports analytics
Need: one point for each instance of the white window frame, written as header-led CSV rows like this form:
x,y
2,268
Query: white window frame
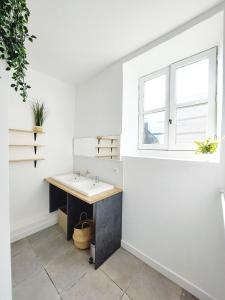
x,y
171,106
142,112
211,55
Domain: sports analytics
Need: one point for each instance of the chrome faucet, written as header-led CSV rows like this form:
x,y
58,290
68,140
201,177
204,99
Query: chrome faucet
x,y
76,174
96,179
87,174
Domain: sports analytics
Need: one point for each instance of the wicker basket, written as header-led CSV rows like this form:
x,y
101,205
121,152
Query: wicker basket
x,y
62,218
82,236
83,233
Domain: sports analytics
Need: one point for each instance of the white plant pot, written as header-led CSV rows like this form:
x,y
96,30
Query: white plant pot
x,y
38,129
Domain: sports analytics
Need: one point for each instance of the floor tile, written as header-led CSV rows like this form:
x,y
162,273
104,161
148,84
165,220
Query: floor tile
x,y
24,265
187,296
37,287
49,248
125,297
46,234
47,267
68,268
95,285
121,267
149,284
19,246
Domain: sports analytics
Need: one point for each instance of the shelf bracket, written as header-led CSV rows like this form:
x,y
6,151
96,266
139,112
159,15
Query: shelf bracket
x,y
35,136
99,139
35,163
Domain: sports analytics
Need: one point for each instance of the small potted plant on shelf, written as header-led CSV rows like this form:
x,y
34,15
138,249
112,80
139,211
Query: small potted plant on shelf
x,y
208,146
40,114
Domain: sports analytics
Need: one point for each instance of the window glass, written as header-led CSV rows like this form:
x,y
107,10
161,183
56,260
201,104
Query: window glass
x,y
154,128
192,82
155,93
191,123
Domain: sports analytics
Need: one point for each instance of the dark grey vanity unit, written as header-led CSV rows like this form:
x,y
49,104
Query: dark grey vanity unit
x,y
105,209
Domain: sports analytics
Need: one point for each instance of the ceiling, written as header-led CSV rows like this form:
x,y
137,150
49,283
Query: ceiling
x,y
79,38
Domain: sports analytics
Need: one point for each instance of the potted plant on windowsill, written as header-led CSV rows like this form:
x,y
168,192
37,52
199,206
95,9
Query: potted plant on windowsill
x,y
206,147
40,114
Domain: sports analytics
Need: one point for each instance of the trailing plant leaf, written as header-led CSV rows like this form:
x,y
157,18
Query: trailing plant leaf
x,y
14,16
39,112
206,146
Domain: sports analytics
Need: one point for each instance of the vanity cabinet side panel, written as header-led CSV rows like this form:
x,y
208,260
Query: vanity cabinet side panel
x,y
57,198
108,227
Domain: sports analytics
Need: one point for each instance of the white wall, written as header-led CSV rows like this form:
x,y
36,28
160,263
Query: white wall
x,y
5,267
28,191
190,42
172,216
98,111
98,107
182,198
107,170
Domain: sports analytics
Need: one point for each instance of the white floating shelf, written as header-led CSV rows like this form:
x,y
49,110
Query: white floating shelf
x,y
26,159
27,145
108,155
107,147
106,138
25,130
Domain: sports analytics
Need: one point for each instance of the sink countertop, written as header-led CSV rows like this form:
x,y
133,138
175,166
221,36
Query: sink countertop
x,y
87,199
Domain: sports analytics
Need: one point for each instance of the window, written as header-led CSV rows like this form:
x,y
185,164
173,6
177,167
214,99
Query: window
x,y
177,104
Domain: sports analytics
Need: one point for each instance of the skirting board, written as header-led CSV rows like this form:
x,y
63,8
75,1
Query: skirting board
x,y
176,278
31,227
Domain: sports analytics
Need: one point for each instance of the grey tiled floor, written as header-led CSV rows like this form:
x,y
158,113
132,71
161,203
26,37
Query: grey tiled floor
x,y
47,267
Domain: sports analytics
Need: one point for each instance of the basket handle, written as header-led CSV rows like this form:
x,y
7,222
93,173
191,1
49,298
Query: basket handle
x,y
81,215
82,225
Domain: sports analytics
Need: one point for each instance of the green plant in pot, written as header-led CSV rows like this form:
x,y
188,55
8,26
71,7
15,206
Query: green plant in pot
x,y
208,146
40,114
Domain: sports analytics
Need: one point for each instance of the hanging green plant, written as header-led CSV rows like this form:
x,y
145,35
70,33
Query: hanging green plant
x,y
14,16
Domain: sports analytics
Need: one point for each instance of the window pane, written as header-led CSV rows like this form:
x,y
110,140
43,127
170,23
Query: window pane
x,y
155,93
189,138
154,128
191,123
192,82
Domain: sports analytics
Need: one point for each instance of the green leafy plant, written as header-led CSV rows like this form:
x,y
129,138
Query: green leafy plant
x,y
207,146
39,112
14,16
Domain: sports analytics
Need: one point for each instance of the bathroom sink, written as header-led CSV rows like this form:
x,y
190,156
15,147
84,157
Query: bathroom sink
x,y
83,184
67,178
90,187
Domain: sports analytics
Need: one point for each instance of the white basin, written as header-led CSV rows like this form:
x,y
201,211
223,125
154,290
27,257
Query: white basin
x,y
67,178
83,184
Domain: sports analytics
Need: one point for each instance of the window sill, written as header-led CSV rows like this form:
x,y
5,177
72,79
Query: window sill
x,y
175,155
